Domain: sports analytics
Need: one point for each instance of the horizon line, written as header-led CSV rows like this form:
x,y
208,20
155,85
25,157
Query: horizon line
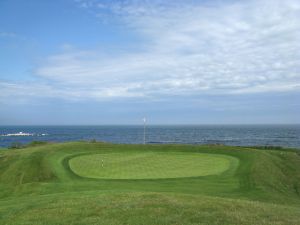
x,y
153,124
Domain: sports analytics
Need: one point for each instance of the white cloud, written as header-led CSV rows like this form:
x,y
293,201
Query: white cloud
x,y
223,48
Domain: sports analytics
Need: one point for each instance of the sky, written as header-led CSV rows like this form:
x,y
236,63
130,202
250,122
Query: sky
x,y
93,62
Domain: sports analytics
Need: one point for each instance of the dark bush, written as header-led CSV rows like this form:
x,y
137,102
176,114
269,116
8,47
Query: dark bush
x,y
16,145
36,143
93,141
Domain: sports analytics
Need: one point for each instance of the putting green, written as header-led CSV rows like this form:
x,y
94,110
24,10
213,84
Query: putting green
x,y
149,165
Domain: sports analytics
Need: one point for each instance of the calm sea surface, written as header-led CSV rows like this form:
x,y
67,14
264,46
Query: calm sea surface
x,y
242,135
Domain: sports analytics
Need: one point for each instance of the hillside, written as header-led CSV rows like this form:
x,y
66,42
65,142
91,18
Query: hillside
x,y
101,183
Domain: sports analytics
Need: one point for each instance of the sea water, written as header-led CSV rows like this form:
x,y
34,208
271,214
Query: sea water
x,y
237,135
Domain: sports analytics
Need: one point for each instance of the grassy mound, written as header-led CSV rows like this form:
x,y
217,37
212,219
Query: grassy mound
x,y
53,184
150,165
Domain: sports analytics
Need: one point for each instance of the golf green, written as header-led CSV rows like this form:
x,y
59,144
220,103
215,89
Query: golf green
x,y
150,165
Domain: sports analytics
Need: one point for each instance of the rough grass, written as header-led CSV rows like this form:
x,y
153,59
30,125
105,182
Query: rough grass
x,y
37,186
150,165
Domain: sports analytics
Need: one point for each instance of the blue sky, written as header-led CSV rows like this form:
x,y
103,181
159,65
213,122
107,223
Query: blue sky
x,y
175,62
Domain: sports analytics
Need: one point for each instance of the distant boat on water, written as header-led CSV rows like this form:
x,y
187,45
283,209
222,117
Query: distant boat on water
x,y
19,134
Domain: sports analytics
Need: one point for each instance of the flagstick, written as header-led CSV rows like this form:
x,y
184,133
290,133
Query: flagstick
x,y
144,130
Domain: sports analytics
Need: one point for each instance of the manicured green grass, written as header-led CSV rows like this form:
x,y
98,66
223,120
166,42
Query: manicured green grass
x,y
58,184
150,165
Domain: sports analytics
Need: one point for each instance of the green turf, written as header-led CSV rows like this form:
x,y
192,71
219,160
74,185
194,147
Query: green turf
x,y
150,165
216,185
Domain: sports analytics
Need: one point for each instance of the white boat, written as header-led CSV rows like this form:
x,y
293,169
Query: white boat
x,y
19,134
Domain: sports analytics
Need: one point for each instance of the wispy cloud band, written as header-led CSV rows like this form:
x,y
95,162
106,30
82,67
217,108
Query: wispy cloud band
x,y
188,49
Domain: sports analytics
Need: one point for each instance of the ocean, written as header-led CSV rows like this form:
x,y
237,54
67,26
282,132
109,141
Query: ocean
x,y
237,135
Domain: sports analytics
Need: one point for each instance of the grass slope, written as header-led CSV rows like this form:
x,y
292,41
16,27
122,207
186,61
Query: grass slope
x,y
37,186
